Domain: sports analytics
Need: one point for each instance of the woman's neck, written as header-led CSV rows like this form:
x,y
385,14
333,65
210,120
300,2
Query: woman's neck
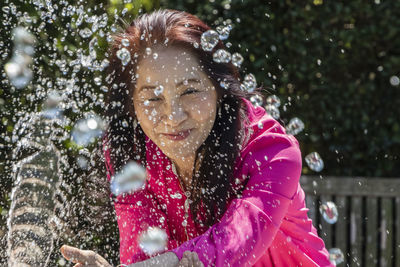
x,y
184,169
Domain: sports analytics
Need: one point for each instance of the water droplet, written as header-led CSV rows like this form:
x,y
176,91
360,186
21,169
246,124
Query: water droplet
x,y
148,51
209,40
124,55
223,32
222,56
85,33
87,130
250,82
273,111
314,161
184,223
97,81
329,212
224,84
158,90
237,59
274,101
153,240
6,9
125,42
336,256
256,100
146,102
130,179
295,126
394,81
176,195
155,55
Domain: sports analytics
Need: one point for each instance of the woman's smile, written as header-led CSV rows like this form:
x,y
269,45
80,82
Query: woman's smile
x,y
179,136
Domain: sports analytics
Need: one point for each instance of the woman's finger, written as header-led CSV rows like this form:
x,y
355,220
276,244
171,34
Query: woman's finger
x,y
184,262
78,256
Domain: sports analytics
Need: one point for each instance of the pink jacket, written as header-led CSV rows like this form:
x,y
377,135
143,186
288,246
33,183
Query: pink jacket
x,y
266,226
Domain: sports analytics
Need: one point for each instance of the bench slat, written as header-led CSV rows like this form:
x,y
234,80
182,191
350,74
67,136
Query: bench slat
x,y
341,226
355,232
386,231
371,244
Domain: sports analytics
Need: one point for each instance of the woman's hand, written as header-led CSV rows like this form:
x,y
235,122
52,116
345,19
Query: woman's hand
x,y
190,259
83,257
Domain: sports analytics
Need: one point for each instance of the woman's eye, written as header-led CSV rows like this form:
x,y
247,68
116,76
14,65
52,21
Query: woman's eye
x,y
154,99
190,90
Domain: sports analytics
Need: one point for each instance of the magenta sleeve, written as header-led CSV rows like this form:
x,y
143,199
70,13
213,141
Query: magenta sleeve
x,y
251,222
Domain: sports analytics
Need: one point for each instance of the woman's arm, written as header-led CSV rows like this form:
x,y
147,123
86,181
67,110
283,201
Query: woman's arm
x,y
251,222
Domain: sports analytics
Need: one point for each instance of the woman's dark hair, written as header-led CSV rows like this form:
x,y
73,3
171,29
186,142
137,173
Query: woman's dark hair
x,y
215,158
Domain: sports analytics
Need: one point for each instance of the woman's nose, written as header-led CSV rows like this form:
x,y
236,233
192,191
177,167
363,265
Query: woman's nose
x,y
175,114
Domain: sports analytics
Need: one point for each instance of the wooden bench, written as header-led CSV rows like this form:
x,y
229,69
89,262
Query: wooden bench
x,y
368,228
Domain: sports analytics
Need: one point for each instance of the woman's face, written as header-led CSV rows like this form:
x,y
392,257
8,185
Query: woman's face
x,y
174,96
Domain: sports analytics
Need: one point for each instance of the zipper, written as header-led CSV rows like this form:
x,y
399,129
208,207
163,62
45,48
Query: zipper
x,y
186,204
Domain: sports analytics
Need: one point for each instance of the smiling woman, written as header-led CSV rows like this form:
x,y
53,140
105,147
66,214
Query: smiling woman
x,y
222,175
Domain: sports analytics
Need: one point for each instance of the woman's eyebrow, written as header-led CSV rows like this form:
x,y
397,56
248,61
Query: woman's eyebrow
x,y
152,87
194,80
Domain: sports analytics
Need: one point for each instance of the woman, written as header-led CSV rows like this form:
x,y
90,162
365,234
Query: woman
x,y
222,175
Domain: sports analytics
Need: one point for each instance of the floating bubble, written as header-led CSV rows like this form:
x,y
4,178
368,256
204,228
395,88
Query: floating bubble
x,y
158,90
329,212
314,161
237,59
250,82
209,40
155,55
221,56
274,101
130,179
125,42
124,55
87,130
295,126
394,81
273,111
223,32
256,100
85,33
152,241
336,256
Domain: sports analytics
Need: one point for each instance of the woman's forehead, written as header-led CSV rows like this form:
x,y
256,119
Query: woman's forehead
x,y
171,61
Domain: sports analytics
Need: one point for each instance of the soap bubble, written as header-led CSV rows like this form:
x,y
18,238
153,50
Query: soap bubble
x,y
87,130
85,33
222,56
237,59
223,32
295,126
130,179
124,55
273,111
274,101
394,81
336,256
209,40
314,161
329,212
148,51
250,82
152,241
256,100
125,42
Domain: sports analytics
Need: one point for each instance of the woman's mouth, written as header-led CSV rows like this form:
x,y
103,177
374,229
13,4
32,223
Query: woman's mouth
x,y
179,136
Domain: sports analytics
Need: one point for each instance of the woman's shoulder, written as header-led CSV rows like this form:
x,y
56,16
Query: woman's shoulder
x,y
261,132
